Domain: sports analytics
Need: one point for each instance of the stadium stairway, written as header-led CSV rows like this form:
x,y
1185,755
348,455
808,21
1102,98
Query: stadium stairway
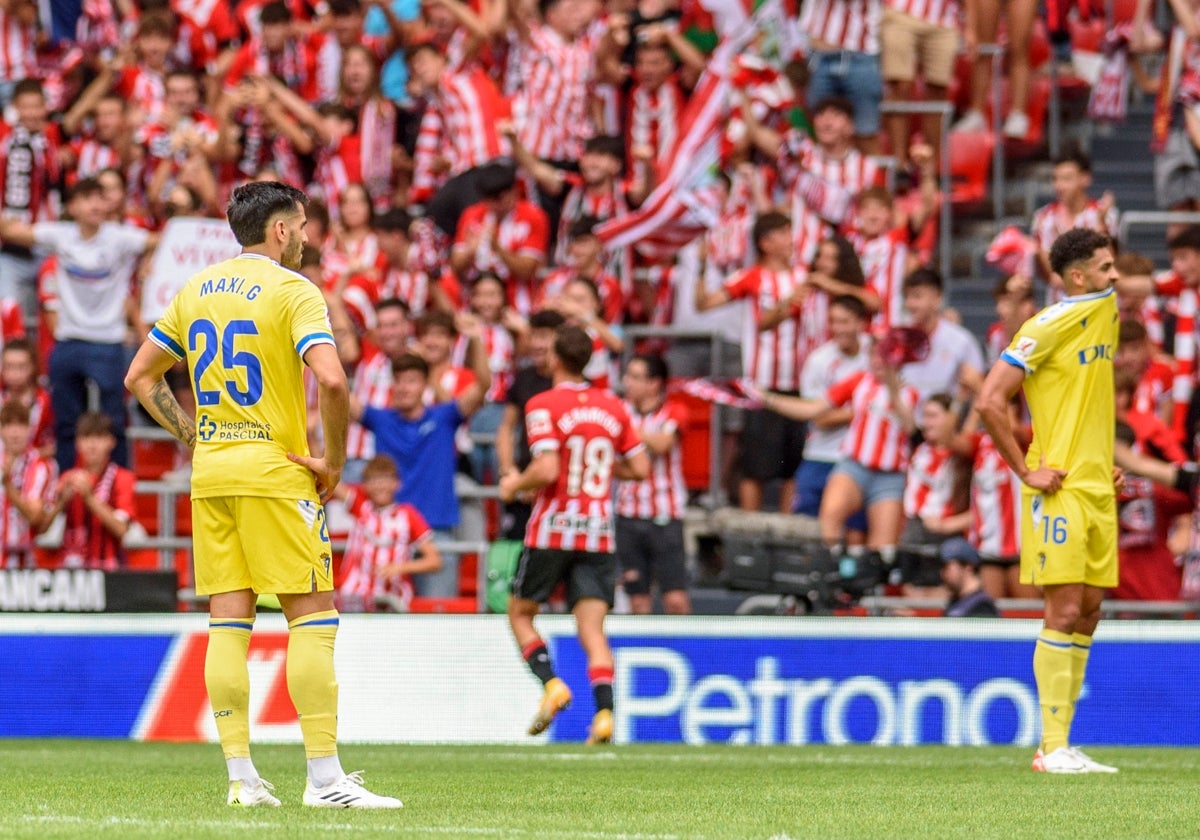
x,y
1122,162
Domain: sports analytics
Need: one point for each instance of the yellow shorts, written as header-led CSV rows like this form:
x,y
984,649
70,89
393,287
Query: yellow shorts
x,y
269,545
1069,537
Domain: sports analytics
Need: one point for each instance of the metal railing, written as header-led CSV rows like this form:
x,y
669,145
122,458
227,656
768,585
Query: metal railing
x,y
1155,219
946,111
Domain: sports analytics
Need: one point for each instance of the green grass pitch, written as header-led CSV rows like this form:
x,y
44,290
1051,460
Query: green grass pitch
x,y
101,789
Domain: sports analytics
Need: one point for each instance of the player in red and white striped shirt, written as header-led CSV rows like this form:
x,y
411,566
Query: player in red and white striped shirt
x,y
581,438
389,543
28,485
650,511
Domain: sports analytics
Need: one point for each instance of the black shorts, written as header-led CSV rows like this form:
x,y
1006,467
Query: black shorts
x,y
587,574
647,550
771,446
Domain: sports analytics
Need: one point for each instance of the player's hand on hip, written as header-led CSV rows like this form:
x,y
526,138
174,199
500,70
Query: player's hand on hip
x,y
326,477
1046,479
1118,480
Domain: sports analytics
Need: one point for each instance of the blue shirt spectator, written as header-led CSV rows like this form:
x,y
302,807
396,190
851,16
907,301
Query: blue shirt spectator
x,y
423,449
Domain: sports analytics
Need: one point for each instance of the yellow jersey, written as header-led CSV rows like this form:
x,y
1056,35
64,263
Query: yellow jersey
x,y
1066,351
243,326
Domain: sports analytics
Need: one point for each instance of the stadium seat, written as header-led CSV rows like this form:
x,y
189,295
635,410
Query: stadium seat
x,y
152,458
970,163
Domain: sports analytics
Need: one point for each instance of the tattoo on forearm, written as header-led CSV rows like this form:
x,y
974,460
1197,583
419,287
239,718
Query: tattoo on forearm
x,y
169,413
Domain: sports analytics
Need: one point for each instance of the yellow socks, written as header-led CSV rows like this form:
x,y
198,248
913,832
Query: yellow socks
x,y
228,681
311,681
1053,670
1081,646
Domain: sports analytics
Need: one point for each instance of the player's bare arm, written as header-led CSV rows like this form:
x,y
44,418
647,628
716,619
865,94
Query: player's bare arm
x,y
333,396
541,472
1000,386
145,381
634,468
471,398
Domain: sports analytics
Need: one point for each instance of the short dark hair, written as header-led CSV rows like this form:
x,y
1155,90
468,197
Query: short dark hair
x,y
339,111
415,49
14,411
1189,237
94,424
944,400
606,144
344,8
394,220
656,366
583,226
495,178
545,6
27,86
84,187
767,223
1076,156
253,205
381,465
1075,246
852,305
924,276
410,361
590,285
435,319
393,303
21,345
546,319
834,103
488,277
180,73
1131,331
876,193
159,22
276,12
573,347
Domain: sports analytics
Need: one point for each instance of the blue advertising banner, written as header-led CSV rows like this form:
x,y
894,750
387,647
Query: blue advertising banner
x,y
898,682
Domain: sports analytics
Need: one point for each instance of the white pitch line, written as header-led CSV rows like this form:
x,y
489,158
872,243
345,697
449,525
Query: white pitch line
x,y
485,831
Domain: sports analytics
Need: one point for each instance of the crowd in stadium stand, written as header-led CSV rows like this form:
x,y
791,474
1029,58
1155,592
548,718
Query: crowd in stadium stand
x,y
469,164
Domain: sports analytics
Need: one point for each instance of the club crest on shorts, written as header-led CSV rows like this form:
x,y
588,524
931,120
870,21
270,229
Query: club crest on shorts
x,y
1035,510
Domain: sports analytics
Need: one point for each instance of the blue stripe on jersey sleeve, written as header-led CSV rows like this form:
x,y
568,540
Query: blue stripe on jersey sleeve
x,y
167,343
314,338
1015,362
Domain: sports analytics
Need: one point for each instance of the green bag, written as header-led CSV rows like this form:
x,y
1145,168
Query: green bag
x,y
501,565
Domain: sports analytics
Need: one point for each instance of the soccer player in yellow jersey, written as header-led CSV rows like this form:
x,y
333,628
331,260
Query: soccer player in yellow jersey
x,y
1062,358
246,328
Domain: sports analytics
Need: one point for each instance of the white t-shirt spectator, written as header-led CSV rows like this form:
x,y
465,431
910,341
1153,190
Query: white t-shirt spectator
x,y
92,282
825,367
950,347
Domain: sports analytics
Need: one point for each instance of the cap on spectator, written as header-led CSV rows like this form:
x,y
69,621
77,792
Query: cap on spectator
x,y
958,549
